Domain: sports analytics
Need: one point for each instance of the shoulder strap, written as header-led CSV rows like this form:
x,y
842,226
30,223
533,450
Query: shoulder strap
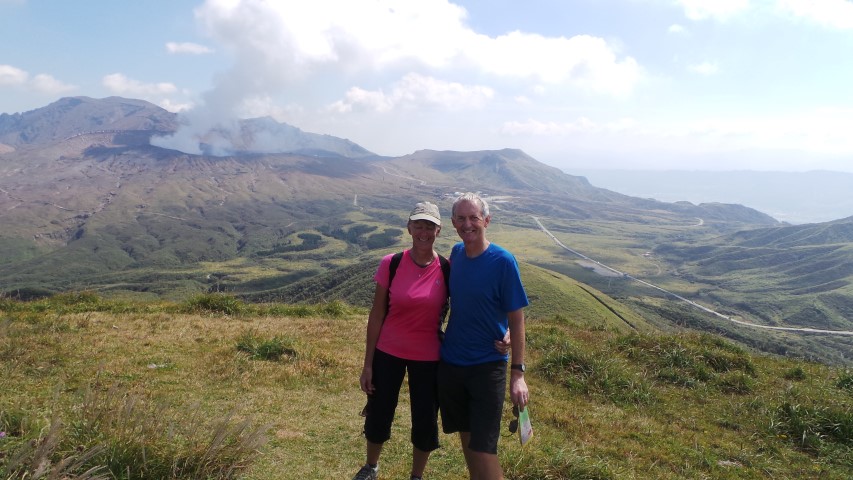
x,y
445,269
392,268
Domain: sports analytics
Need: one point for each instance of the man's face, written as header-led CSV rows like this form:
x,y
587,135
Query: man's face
x,y
469,222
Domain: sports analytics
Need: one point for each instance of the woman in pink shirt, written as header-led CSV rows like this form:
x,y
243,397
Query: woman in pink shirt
x,y
402,336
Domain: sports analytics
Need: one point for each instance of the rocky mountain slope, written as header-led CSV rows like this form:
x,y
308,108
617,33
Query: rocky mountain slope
x,y
87,202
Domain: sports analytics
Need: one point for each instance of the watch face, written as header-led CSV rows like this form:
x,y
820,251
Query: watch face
x,y
517,366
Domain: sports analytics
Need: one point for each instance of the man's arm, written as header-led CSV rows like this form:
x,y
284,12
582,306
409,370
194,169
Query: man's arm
x,y
517,386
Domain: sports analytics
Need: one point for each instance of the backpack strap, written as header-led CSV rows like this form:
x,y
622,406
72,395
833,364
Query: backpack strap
x,y
392,268
445,269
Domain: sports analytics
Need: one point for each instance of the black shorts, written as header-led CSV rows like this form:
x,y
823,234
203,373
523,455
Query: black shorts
x,y
472,400
388,373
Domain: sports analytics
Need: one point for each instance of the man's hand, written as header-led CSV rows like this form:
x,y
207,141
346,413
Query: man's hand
x,y
518,393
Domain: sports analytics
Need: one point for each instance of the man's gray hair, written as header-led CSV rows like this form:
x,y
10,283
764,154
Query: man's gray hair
x,y
473,198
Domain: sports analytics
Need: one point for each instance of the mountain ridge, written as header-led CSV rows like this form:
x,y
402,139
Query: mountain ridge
x,y
107,211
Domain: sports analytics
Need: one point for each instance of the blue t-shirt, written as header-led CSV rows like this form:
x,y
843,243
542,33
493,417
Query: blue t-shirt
x,y
482,291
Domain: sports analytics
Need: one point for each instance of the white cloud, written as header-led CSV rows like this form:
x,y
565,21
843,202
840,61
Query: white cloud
x,y
122,85
717,9
583,61
287,42
41,83
12,76
416,91
173,106
385,56
705,68
831,13
44,83
187,47
676,29
158,93
821,131
582,125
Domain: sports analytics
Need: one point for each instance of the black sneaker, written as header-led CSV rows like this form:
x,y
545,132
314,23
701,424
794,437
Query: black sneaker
x,y
366,473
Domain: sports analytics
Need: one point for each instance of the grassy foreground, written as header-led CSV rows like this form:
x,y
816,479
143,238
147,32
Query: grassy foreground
x,y
214,388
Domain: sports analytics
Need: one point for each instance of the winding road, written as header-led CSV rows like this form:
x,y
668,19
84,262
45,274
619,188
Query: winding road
x,y
600,266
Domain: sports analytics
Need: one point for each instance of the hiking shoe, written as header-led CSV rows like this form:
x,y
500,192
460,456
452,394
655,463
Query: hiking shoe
x,y
366,473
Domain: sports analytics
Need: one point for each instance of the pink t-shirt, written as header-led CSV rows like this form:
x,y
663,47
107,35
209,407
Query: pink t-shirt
x,y
417,295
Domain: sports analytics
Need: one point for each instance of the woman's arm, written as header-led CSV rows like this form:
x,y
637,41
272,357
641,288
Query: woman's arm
x,y
374,326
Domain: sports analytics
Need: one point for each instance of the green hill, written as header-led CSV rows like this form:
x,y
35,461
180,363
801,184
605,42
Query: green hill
x,y
213,385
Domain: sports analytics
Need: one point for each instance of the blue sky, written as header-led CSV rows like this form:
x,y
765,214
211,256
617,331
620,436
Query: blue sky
x,y
639,84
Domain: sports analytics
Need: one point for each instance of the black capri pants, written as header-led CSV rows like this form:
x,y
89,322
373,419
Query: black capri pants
x,y
388,373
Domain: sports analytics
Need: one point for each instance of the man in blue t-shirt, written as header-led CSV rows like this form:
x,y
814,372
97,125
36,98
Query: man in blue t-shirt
x,y
486,300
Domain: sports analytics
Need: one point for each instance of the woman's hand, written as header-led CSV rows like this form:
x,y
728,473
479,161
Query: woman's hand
x,y
366,380
504,344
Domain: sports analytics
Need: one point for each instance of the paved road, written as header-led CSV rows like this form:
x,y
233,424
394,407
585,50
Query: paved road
x,y
686,300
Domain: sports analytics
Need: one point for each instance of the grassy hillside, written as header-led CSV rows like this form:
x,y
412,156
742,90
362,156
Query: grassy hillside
x,y
271,391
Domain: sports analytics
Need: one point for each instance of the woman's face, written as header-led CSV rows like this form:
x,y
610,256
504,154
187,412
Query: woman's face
x,y
423,233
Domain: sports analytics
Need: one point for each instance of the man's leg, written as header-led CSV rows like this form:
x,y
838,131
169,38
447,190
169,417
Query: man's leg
x,y
487,389
481,466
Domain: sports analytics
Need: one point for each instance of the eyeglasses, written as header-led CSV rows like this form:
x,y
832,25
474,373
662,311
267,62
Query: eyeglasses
x,y
513,424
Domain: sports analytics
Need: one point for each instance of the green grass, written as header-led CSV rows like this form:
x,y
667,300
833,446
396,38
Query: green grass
x,y
259,348
166,391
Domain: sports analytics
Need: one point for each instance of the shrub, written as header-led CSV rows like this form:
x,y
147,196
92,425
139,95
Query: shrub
x,y
690,360
141,439
845,380
335,308
117,435
811,426
265,349
594,374
214,303
795,374
41,457
282,310
736,382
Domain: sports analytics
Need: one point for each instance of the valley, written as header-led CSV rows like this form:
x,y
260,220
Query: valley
x,y
108,212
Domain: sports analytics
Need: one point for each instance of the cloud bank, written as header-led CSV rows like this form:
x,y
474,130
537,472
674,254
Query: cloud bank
x,y
383,57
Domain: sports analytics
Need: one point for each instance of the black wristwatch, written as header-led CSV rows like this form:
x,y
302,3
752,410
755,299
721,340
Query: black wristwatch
x,y
518,366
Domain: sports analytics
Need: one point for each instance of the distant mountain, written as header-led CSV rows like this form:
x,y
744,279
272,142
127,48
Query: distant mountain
x,y
74,116
84,189
68,117
265,135
87,202
793,197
